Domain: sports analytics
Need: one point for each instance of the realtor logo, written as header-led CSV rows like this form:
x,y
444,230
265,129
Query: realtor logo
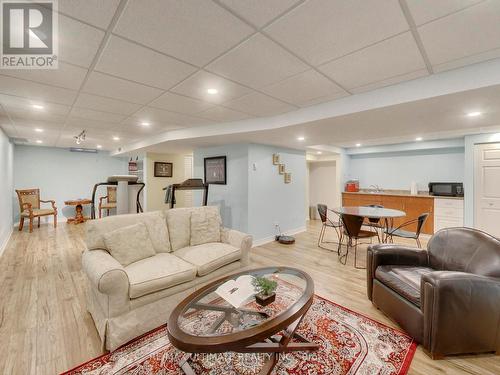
x,y
28,34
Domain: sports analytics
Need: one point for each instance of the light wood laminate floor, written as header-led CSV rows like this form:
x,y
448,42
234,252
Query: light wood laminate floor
x,y
45,329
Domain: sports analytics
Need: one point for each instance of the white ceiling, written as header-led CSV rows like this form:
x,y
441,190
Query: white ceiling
x,y
123,62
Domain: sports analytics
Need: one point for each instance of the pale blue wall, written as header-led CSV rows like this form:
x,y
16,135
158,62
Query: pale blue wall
x,y
253,200
270,199
6,188
397,170
62,175
233,197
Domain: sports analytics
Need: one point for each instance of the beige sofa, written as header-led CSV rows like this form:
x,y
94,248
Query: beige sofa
x,y
127,301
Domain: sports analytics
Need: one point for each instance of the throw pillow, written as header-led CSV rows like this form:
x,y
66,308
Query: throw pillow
x,y
205,226
129,244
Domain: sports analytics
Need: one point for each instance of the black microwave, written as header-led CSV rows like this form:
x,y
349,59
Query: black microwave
x,y
447,189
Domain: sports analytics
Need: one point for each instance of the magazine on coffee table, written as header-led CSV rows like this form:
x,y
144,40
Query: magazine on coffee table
x,y
237,292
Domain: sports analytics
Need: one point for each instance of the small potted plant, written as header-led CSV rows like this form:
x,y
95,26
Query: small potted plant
x,y
265,289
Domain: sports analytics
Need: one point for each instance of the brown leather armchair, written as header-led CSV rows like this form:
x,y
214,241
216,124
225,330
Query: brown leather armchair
x,y
448,296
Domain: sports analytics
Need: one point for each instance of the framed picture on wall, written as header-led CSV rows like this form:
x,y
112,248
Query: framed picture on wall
x,y
163,169
215,170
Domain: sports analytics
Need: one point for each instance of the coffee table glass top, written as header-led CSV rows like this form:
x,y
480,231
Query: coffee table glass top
x,y
208,314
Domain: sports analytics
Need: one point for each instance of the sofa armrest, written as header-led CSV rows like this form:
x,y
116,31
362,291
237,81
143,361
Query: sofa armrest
x,y
240,240
389,254
104,272
461,312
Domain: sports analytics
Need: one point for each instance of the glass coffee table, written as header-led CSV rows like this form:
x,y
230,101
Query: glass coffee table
x,y
205,323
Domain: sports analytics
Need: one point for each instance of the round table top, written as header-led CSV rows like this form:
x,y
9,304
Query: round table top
x,y
76,202
370,212
204,322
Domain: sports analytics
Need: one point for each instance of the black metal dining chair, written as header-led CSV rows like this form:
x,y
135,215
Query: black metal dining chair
x,y
352,230
328,223
398,232
374,222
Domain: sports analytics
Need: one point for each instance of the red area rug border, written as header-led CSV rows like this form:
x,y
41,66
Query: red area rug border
x,y
404,367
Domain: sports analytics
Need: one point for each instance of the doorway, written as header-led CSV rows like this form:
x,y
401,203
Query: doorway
x,y
322,185
487,188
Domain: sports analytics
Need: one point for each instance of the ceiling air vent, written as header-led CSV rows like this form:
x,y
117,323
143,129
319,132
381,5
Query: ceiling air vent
x,y
86,150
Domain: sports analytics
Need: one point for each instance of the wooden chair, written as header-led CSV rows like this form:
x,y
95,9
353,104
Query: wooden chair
x,y
29,207
110,201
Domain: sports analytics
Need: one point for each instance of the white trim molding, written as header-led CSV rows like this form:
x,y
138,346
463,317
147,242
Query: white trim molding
x,y
290,232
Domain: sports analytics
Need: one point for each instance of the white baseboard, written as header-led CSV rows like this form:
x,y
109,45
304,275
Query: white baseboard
x,y
290,232
3,245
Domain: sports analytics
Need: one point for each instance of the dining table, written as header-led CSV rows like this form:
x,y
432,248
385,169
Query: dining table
x,y
387,215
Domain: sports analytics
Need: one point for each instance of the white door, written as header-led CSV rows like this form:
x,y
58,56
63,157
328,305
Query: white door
x,y
487,188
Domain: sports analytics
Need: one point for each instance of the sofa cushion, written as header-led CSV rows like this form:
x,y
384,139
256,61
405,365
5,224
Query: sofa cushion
x,y
404,280
157,273
179,227
129,244
205,226
154,221
209,256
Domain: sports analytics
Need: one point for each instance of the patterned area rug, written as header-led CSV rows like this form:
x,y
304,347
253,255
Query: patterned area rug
x,y
350,344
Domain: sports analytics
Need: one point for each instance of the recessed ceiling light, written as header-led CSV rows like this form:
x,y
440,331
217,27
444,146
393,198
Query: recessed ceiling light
x,y
39,141
300,138
145,123
319,153
38,106
474,114
418,139
212,91
99,146
358,144
115,138
38,130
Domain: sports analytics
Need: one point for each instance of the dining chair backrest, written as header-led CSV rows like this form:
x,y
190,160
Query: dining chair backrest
x,y
420,223
374,220
323,212
352,224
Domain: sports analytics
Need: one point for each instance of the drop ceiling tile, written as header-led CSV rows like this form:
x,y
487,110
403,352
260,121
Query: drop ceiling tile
x,y
105,85
15,102
36,91
156,116
191,30
100,103
38,124
83,123
453,37
17,114
259,12
196,87
179,103
131,61
393,57
326,98
257,62
142,131
221,114
30,133
322,30
258,104
304,88
8,129
390,81
78,42
66,76
424,11
90,114
473,59
96,12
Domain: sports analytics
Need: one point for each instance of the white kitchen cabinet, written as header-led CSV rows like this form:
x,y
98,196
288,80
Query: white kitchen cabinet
x,y
448,213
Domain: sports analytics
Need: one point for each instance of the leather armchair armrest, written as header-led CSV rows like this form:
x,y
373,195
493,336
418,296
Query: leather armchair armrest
x,y
240,240
461,312
389,254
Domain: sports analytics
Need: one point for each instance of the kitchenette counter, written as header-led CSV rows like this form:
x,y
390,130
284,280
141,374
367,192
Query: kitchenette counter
x,y
399,193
